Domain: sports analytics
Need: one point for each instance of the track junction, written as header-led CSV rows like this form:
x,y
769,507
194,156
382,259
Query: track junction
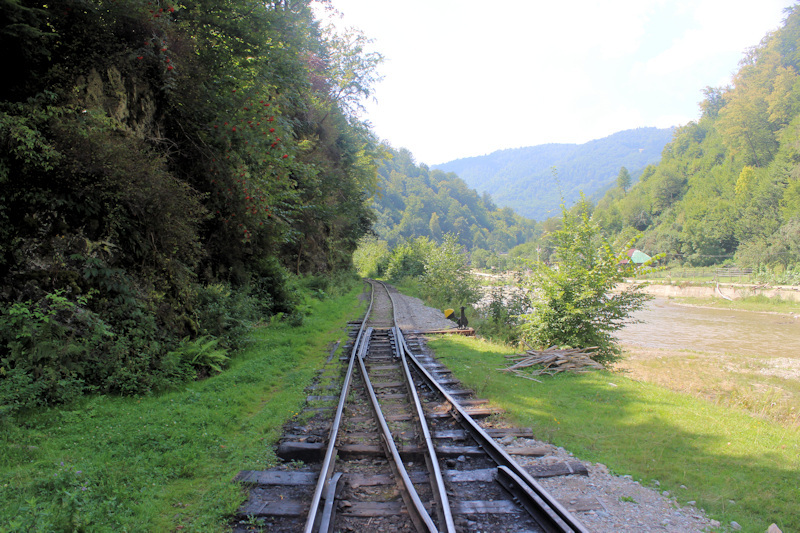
x,y
390,442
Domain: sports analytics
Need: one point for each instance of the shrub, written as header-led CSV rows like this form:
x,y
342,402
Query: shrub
x,y
46,350
573,301
502,311
408,259
371,258
447,279
226,313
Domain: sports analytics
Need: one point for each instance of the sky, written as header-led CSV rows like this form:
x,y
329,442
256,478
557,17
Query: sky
x,y
465,78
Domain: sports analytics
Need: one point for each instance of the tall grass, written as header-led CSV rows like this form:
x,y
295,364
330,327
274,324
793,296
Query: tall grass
x,y
164,462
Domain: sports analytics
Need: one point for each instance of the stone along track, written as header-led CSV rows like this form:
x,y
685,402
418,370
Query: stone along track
x,y
400,452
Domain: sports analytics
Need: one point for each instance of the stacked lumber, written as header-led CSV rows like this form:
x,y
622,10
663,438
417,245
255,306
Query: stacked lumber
x,y
552,361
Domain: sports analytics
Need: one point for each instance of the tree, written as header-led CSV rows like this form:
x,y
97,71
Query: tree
x,y
160,151
573,302
447,279
623,179
371,257
434,227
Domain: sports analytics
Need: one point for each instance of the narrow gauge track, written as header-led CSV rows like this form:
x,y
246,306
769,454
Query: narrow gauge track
x,y
401,453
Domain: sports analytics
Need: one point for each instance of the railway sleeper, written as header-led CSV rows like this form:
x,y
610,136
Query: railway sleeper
x,y
315,451
486,475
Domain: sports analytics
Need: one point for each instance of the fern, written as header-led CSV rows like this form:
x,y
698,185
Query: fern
x,y
202,352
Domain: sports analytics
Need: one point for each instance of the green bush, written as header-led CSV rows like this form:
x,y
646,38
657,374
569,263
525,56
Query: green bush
x,y
574,302
447,279
46,350
502,315
371,258
226,313
408,259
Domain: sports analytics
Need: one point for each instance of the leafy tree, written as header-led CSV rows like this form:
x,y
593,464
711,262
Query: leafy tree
x,y
408,259
434,227
623,179
158,150
371,257
447,279
574,302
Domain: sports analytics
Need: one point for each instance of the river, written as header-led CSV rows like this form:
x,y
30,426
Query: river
x,y
681,327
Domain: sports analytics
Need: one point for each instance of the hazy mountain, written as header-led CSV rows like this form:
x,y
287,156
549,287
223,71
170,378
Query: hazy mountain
x,y
523,178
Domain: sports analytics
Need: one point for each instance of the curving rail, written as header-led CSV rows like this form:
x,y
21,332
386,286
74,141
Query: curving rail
x,y
544,509
324,485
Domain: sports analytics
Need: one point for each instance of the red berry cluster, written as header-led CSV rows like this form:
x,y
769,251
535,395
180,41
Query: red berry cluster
x,y
158,46
156,13
161,51
252,138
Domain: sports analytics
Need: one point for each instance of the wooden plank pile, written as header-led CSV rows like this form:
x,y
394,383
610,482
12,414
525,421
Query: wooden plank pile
x,y
551,361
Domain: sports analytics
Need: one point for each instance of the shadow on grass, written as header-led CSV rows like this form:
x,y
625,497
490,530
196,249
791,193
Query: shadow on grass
x,y
720,455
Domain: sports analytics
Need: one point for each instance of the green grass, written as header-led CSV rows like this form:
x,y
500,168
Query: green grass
x,y
758,303
720,454
164,462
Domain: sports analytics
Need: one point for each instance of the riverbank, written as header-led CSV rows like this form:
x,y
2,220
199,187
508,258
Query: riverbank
x,y
765,387
755,304
716,350
713,290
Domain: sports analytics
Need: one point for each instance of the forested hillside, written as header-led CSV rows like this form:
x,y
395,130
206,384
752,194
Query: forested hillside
x,y
523,178
728,186
414,201
164,166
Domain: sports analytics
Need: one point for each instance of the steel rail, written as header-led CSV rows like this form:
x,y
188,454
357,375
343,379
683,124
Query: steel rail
x,y
443,510
326,471
416,509
444,513
553,517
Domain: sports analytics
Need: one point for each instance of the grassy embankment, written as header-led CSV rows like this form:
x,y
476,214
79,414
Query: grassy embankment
x,y
735,465
725,426
164,463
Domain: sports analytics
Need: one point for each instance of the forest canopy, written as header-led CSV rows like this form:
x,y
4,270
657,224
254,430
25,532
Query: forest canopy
x,y
415,201
164,167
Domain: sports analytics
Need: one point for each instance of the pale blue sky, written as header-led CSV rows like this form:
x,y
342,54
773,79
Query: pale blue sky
x,y
465,77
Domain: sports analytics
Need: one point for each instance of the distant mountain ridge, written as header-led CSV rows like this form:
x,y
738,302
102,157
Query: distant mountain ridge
x,y
523,178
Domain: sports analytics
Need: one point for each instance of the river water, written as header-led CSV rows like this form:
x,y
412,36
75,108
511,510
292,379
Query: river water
x,y
681,327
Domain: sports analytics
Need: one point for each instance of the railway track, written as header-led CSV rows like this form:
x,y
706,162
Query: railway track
x,y
391,443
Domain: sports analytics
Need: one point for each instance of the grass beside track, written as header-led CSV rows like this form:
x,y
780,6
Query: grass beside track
x,y
734,465
164,463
